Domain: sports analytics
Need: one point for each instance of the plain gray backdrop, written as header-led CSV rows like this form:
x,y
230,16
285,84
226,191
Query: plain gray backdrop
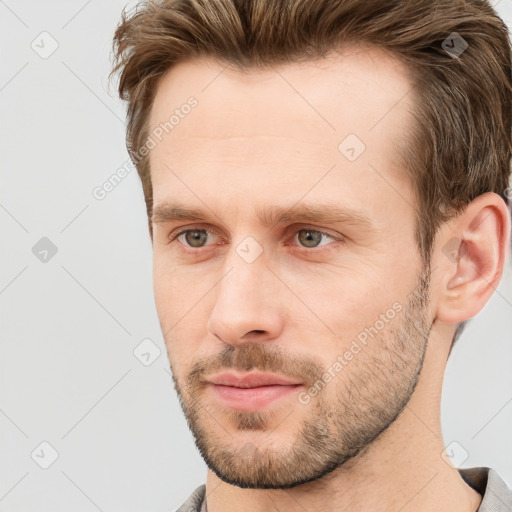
x,y
85,424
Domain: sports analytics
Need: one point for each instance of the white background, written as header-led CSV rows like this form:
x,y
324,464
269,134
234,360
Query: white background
x,y
70,325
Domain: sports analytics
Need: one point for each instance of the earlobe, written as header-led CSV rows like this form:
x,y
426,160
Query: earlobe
x,y
474,257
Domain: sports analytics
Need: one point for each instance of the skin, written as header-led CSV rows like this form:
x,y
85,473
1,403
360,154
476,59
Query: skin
x,y
371,438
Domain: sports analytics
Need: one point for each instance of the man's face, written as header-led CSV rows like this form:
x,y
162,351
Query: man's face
x,y
336,305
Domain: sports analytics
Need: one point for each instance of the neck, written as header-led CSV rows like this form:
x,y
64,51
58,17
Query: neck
x,y
402,470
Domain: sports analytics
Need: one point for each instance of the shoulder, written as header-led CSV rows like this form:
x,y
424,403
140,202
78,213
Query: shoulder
x,y
194,502
497,497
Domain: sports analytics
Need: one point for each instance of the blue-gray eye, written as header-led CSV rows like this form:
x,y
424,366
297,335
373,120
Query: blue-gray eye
x,y
311,238
195,237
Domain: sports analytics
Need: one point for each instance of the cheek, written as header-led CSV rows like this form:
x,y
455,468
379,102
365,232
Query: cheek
x,y
173,288
164,291
181,302
346,307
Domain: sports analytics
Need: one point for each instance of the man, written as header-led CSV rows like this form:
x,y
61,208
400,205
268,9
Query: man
x,y
327,195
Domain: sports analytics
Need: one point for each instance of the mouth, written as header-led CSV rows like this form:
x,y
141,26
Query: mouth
x,y
251,398
251,391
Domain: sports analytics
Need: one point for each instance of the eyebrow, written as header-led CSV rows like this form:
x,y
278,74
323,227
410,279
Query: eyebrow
x,y
269,216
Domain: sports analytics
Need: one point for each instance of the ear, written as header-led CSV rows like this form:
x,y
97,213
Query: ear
x,y
470,255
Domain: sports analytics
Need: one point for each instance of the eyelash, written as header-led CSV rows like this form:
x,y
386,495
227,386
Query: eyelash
x,y
214,232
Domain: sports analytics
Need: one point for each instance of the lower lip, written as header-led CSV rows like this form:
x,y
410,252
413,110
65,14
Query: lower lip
x,y
251,398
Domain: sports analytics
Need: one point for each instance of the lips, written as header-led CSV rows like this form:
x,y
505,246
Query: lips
x,y
252,380
251,392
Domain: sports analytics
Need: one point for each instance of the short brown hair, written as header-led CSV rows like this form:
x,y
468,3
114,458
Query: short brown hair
x,y
460,146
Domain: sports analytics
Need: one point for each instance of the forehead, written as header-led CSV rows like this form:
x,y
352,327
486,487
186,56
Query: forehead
x,y
352,89
282,124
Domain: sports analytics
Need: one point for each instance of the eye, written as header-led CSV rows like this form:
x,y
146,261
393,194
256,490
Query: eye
x,y
311,237
194,238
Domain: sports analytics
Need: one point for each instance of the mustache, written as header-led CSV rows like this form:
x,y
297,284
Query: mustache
x,y
256,356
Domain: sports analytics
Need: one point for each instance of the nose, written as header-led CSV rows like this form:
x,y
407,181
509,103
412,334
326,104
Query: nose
x,y
248,305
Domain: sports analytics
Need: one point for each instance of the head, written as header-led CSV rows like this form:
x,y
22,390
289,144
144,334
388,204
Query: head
x,y
324,183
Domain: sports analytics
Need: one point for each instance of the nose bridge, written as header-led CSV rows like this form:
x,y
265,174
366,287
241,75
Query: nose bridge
x,y
244,299
248,265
